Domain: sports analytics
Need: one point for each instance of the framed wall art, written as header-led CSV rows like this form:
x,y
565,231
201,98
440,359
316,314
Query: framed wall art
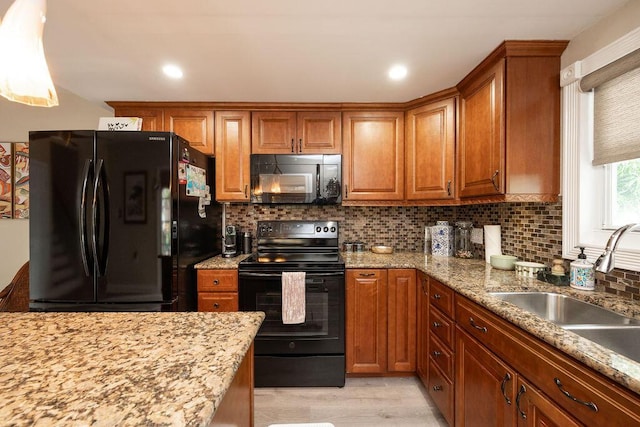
x,y
14,180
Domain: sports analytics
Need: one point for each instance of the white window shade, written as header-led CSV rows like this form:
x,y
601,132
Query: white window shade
x,y
616,111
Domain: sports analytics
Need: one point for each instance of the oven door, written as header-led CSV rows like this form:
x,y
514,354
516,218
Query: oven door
x,y
323,329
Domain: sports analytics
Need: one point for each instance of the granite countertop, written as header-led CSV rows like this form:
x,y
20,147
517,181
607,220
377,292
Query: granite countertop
x,y
124,369
475,279
221,263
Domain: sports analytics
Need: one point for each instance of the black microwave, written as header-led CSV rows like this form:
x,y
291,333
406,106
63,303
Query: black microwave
x,y
296,178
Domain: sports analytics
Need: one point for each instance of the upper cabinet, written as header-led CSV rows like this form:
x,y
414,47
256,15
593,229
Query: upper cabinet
x,y
193,124
303,132
233,151
430,151
509,142
373,156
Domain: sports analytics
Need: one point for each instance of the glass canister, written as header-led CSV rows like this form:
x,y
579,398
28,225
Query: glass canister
x,y
462,239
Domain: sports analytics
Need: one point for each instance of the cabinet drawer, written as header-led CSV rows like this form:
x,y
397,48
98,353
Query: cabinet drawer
x,y
441,356
441,391
217,280
590,397
442,327
441,296
217,301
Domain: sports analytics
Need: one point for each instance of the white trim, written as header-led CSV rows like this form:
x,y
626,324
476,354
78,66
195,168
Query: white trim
x,y
581,182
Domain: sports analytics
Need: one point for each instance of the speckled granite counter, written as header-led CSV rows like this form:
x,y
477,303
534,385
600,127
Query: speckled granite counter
x,y
220,263
124,369
475,279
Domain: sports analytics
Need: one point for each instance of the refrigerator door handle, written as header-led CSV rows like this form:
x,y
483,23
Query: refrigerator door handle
x,y
82,219
100,202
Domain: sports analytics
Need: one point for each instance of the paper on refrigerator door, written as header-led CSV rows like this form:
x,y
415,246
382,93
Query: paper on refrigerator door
x,y
492,241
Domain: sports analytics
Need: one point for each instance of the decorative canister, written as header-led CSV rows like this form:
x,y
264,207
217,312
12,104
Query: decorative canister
x,y
463,239
582,273
442,239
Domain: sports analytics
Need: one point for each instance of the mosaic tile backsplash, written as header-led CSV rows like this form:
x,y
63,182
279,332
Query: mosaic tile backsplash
x,y
530,231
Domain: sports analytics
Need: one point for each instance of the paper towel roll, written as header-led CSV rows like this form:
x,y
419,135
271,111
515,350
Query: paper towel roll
x,y
492,241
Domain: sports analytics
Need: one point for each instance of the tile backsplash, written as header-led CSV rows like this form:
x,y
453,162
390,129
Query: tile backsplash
x,y
530,231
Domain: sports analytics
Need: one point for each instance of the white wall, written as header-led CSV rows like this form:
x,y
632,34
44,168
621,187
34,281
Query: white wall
x,y
603,32
16,120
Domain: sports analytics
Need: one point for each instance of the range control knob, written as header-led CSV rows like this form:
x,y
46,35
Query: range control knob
x,y
326,229
333,229
318,229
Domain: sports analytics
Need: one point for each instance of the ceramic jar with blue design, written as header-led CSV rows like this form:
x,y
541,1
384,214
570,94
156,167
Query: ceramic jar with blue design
x,y
442,239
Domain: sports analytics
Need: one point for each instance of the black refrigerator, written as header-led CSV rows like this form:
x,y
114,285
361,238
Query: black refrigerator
x,y
117,220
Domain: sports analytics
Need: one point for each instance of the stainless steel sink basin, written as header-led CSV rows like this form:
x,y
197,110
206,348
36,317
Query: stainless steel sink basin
x,y
564,310
624,340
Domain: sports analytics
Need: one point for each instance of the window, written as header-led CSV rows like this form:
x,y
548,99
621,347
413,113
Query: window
x,y
596,199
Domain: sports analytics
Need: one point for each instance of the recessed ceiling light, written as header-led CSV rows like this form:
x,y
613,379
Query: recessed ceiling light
x,y
398,72
172,71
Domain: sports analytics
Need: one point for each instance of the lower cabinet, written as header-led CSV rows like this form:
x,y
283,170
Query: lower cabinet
x,y
534,409
380,321
422,333
217,290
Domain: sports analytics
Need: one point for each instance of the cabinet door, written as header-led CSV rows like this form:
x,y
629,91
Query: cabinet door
x,y
366,321
422,360
319,132
196,126
401,323
430,151
273,132
481,152
152,118
373,156
233,151
485,386
536,410
218,301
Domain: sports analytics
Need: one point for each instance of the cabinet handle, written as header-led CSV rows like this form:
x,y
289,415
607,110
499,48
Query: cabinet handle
x,y
292,147
346,191
437,388
436,324
449,188
246,187
590,405
480,328
507,378
522,391
493,180
436,353
424,287
437,296
216,305
367,274
300,146
216,282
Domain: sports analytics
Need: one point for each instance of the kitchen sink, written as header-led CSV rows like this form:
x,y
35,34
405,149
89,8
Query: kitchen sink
x,y
564,310
624,340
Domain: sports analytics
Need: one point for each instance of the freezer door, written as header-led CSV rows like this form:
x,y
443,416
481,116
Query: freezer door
x,y
132,211
61,266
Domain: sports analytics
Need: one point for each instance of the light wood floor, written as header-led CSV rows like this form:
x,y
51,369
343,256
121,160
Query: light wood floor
x,y
362,401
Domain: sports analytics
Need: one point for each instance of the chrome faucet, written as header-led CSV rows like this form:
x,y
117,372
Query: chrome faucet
x,y
605,262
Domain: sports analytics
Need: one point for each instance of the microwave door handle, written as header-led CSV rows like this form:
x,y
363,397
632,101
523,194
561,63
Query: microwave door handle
x,y
317,181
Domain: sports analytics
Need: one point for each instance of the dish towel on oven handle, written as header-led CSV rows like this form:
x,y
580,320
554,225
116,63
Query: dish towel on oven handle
x,y
293,297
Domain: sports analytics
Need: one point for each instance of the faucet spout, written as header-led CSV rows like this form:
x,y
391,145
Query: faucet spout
x,y
606,262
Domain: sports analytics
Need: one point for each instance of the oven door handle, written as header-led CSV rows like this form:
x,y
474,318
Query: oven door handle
x,y
309,275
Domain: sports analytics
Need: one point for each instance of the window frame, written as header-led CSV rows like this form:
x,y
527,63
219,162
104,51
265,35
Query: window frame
x,y
583,183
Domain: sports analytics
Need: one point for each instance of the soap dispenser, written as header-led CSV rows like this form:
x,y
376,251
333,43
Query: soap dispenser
x,y
582,273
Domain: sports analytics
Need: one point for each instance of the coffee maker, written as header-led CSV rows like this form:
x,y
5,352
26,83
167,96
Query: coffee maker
x,y
230,242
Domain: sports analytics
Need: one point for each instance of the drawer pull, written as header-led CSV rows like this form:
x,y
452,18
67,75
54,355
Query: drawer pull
x,y
216,282
437,324
216,305
480,328
522,391
437,296
436,353
590,405
437,388
507,378
367,274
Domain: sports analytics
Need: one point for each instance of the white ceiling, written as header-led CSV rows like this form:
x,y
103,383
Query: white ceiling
x,y
289,50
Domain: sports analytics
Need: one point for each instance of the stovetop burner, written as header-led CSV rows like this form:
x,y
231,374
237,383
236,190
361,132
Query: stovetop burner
x,y
292,261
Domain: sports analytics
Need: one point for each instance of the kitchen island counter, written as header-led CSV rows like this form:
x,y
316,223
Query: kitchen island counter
x,y
124,369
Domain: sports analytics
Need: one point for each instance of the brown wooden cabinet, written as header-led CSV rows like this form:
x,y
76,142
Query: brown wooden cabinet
x,y
236,408
152,118
366,321
509,143
217,290
373,156
534,409
401,323
430,151
194,125
233,153
302,132
422,333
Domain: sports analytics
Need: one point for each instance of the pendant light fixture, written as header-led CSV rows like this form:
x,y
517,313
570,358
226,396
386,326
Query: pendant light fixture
x,y
24,74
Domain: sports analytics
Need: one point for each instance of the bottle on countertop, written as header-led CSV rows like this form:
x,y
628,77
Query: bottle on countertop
x,y
582,273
